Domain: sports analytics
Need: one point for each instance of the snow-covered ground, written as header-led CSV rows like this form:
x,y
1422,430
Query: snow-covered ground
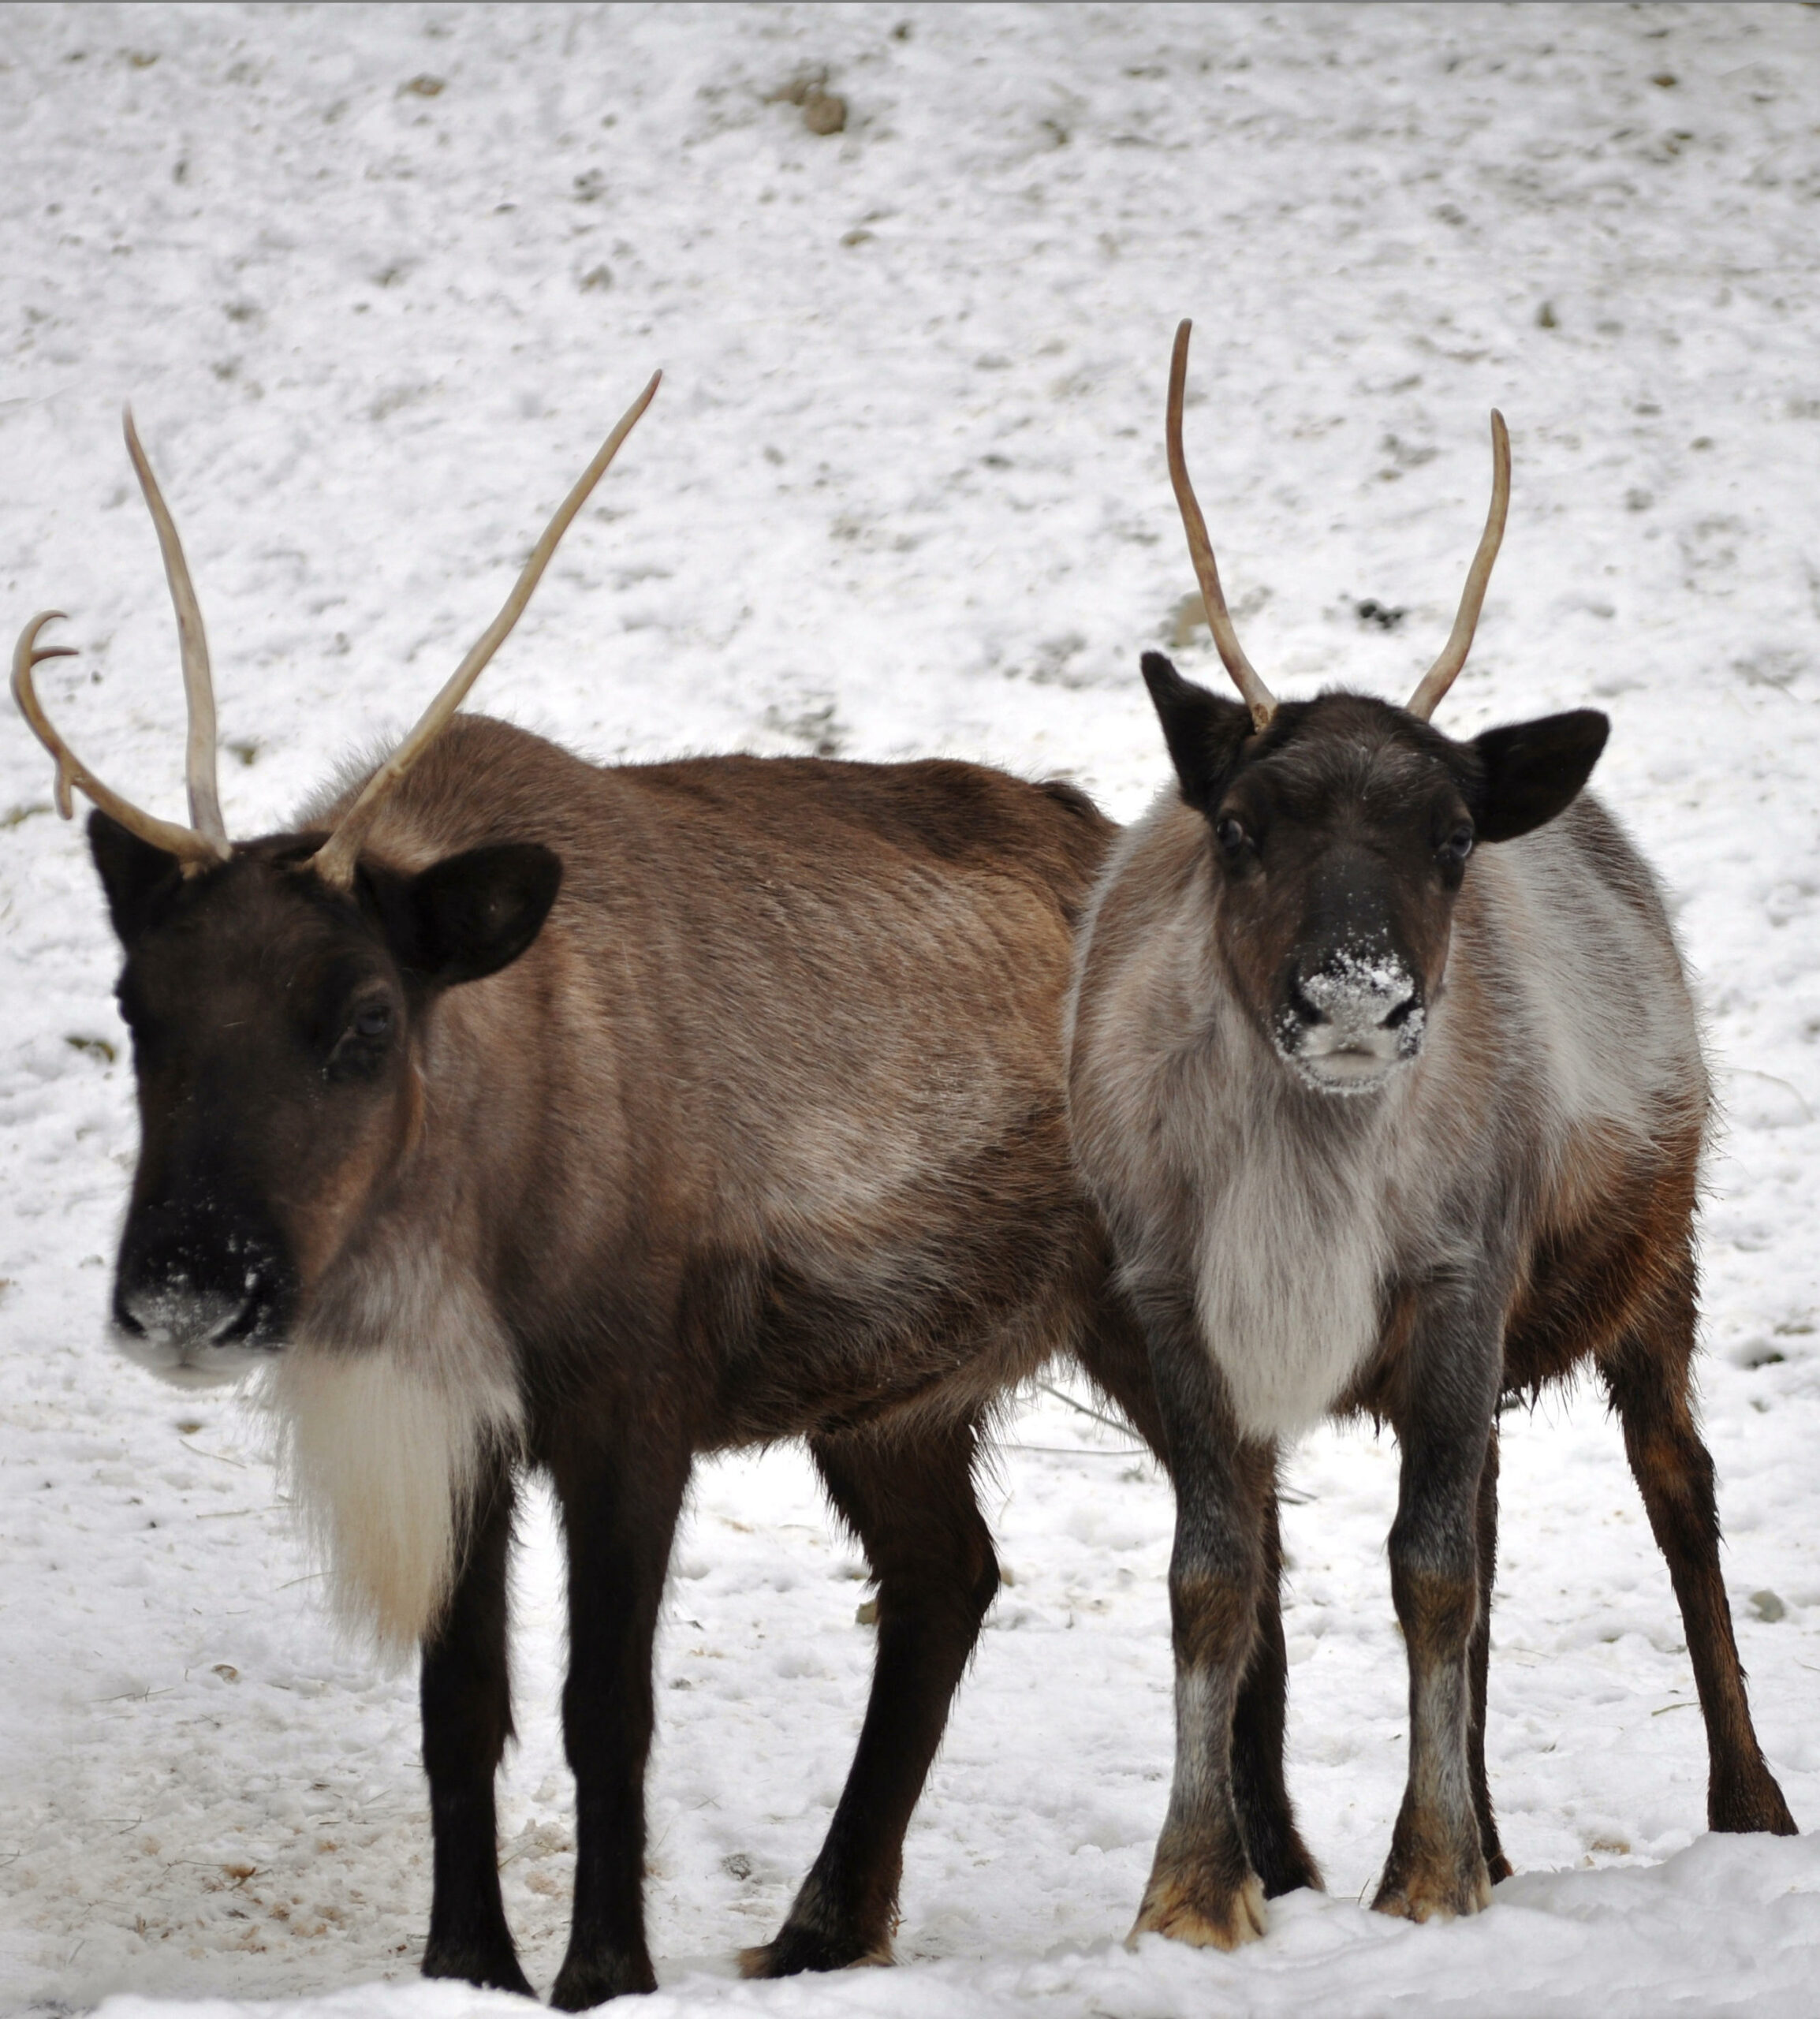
x,y
378,279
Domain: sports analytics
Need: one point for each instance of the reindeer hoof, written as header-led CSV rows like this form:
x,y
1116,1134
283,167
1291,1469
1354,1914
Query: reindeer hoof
x,y
1750,1805
1170,1910
1435,1896
797,1950
586,1982
487,1965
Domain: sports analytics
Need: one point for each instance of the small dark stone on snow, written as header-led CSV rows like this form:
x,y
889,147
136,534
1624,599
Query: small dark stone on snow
x,y
823,112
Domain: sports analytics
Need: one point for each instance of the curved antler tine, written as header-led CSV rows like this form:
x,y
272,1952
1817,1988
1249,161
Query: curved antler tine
x,y
335,861
199,766
1258,696
1441,676
195,851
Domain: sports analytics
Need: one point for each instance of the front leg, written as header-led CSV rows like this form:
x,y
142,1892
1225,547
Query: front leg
x,y
1437,1867
620,1501
1202,1889
467,1703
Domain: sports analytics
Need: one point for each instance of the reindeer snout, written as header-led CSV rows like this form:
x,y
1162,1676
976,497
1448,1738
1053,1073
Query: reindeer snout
x,y
1358,995
197,1303
1348,1017
179,1316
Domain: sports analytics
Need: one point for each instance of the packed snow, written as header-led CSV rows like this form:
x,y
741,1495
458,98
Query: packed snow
x,y
377,281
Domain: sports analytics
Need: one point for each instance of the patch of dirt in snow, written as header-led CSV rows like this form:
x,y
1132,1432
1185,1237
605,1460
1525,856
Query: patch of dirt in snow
x,y
377,280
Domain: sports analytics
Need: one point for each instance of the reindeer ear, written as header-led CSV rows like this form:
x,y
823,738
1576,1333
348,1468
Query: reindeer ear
x,y
470,915
1531,771
1203,732
132,872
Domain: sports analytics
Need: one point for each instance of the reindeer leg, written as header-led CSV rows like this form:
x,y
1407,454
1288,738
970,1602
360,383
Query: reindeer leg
x,y
1478,1658
619,1513
910,1501
1203,1888
1437,1867
1266,1816
1117,1362
466,1696
1647,1378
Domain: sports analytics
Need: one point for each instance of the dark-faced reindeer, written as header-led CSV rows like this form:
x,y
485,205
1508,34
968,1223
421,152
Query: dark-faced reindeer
x,y
511,1110
1384,1072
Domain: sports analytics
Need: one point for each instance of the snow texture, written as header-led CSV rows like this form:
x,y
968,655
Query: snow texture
x,y
378,279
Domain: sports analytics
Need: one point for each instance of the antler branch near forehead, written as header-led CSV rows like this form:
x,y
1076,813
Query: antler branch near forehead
x,y
193,849
335,861
199,754
1258,696
196,847
1441,676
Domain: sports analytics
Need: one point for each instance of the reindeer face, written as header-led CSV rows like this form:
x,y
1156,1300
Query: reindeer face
x,y
274,1022
1341,837
1340,853
274,992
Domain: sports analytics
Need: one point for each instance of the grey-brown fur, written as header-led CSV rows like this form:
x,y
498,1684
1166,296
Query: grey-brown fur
x,y
1486,1176
762,1135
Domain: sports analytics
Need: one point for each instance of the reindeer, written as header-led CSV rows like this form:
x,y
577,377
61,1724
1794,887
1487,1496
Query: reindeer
x,y
509,1111
1384,1073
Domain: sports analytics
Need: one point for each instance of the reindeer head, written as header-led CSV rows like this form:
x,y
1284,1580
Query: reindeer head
x,y
1341,828
278,992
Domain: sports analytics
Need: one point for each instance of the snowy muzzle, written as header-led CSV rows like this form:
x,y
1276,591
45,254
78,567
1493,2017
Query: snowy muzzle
x,y
1348,1021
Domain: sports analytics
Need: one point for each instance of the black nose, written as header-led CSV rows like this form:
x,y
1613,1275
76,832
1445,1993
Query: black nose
x,y
177,1314
1358,993
1300,1008
186,1279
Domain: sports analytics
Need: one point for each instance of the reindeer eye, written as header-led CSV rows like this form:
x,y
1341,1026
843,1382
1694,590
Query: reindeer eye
x,y
1229,834
360,1050
1458,846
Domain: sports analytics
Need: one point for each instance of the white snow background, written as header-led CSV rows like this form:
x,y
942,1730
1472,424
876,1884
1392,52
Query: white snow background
x,y
378,279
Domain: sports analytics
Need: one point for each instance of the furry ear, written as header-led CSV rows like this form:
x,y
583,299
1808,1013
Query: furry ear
x,y
1203,731
1531,771
470,915
132,873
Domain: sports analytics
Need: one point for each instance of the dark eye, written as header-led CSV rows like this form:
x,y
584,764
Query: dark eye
x,y
1229,834
360,1050
1458,846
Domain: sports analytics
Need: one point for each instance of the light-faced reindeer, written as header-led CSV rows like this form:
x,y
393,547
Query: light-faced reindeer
x,y
1384,1072
510,1110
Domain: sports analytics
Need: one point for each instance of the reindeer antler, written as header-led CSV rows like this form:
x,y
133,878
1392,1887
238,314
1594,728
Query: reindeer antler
x,y
198,689
195,850
1258,696
335,861
1441,676
198,847
206,843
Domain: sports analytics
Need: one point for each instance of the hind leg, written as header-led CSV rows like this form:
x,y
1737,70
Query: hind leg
x,y
1116,1360
1647,1377
1479,1660
910,1501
